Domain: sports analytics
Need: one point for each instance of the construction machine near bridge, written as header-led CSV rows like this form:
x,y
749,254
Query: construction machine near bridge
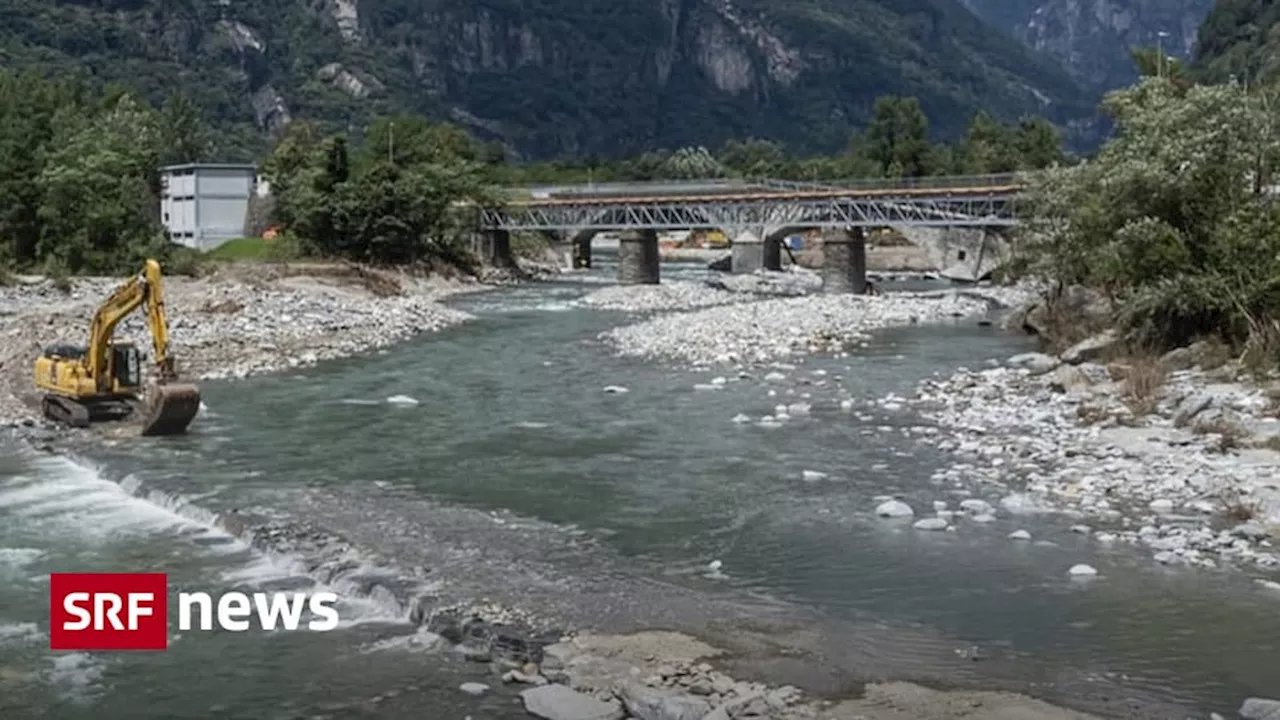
x,y
104,379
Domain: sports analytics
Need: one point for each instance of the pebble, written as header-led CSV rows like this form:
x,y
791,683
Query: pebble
x,y
474,688
1019,535
1082,571
930,524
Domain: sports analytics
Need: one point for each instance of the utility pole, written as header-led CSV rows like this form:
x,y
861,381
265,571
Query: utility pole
x,y
391,142
1160,36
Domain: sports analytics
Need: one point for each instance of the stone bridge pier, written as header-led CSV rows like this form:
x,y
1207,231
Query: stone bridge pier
x,y
844,261
638,258
580,242
494,247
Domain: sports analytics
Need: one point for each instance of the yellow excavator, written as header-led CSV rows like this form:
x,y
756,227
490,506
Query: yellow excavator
x,y
104,379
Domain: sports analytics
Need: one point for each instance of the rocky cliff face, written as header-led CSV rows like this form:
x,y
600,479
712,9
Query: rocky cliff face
x,y
1091,38
557,76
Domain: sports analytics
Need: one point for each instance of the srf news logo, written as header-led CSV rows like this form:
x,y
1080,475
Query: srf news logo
x,y
130,611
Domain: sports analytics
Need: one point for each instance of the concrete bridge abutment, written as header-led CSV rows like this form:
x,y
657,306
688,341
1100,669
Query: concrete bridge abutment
x,y
967,254
844,261
638,259
750,253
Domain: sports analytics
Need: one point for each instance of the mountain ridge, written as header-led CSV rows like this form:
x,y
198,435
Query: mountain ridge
x,y
553,77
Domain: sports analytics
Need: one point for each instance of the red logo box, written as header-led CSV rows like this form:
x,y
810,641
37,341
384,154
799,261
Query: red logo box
x,y
108,611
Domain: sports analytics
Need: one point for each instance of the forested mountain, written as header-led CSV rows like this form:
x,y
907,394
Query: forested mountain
x,y
1240,38
1092,38
552,77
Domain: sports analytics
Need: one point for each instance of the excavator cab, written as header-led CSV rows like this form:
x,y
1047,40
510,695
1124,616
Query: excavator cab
x,y
124,366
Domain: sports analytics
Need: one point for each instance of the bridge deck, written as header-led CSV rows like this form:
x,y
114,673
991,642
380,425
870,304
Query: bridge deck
x,y
981,201
769,195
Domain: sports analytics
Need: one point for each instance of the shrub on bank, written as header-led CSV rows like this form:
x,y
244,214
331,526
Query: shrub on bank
x,y
1174,219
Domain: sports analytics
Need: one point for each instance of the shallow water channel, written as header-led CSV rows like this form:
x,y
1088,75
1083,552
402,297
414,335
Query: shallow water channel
x,y
604,509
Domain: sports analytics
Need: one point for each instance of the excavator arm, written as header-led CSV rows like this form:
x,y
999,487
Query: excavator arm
x,y
144,288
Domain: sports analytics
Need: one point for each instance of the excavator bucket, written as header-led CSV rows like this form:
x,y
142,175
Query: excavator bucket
x,y
170,408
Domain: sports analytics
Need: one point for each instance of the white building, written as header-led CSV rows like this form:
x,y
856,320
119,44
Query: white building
x,y
205,205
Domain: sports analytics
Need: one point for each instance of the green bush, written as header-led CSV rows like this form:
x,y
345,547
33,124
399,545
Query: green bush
x,y
1172,219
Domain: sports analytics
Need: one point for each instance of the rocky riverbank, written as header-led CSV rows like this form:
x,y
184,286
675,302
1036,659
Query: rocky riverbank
x,y
670,676
241,321
760,332
1165,453
717,289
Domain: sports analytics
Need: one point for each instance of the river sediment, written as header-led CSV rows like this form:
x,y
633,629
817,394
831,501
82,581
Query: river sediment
x,y
593,665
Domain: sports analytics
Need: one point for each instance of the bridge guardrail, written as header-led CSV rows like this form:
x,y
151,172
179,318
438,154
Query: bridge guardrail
x,y
714,185
939,182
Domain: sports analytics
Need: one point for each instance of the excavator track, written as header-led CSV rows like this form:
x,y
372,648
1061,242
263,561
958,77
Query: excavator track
x,y
169,408
65,410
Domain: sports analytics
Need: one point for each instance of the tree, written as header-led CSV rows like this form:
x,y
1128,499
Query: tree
x,y
27,107
1037,144
753,157
987,147
98,204
1171,216
393,204
183,136
898,137
692,163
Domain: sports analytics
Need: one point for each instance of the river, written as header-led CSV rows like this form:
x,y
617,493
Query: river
x,y
517,479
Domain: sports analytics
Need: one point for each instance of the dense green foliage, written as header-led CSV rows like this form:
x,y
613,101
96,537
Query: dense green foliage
x,y
1174,216
1238,39
388,203
551,77
78,179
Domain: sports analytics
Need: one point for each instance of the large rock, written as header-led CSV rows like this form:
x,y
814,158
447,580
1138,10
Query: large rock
x,y
1190,406
1075,306
557,702
894,509
1091,348
1068,378
646,703
1260,709
1034,362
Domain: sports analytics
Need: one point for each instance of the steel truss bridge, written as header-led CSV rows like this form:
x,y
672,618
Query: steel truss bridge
x,y
958,201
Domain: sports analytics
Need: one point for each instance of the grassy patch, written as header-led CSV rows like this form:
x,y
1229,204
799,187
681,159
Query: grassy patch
x,y
283,248
242,249
1145,375
1231,436
1087,414
1237,507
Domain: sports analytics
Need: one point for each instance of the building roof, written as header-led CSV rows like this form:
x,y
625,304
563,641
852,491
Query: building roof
x,y
210,166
